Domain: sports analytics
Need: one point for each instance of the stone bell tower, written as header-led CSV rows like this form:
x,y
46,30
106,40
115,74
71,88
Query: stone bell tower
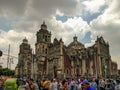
x,y
25,59
41,48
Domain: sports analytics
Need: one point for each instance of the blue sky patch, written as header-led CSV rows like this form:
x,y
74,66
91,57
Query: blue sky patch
x,y
5,24
102,8
89,17
87,38
62,18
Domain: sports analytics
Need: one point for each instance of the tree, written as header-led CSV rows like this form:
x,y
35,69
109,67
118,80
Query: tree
x,y
6,72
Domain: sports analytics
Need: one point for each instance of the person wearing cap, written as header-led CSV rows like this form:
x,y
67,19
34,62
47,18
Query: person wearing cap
x,y
86,86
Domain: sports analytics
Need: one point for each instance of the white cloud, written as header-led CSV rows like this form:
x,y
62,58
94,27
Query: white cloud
x,y
108,25
70,28
40,10
94,6
12,8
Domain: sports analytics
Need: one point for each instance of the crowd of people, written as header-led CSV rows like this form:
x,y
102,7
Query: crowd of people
x,y
66,84
56,84
72,84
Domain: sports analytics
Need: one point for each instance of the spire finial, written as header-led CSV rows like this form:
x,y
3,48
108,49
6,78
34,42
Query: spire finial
x,y
44,22
75,38
25,40
43,26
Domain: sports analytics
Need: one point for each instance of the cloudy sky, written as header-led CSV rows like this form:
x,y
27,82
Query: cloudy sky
x,y
65,18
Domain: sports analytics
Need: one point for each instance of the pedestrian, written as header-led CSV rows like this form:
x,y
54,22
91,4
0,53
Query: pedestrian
x,y
1,84
86,86
102,84
38,81
60,86
94,84
54,85
72,84
31,85
46,84
65,85
97,81
112,85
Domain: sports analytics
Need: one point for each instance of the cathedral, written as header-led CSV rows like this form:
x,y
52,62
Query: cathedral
x,y
55,59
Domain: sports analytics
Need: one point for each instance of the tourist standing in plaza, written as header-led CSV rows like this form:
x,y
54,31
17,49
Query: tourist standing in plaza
x,y
94,84
1,84
86,85
46,84
102,84
72,84
31,85
65,85
54,85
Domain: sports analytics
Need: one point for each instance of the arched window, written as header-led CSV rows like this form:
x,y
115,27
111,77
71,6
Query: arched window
x,y
46,38
45,51
43,48
67,71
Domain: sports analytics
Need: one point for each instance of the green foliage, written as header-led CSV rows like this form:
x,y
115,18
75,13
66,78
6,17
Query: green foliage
x,y
6,72
118,72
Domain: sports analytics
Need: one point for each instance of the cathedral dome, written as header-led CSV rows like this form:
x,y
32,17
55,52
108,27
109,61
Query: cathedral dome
x,y
25,40
44,26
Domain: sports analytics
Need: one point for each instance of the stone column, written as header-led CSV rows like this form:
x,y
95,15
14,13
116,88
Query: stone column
x,y
83,67
91,68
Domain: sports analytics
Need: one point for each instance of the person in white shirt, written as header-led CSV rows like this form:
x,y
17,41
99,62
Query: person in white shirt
x,y
54,84
72,83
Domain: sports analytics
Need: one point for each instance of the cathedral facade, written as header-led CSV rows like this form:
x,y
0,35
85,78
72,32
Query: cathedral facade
x,y
54,59
23,67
